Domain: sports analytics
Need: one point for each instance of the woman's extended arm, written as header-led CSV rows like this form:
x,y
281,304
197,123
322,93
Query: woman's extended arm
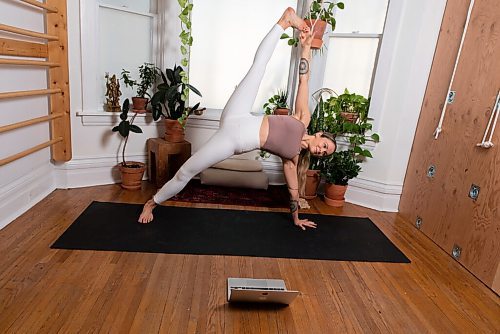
x,y
302,101
290,171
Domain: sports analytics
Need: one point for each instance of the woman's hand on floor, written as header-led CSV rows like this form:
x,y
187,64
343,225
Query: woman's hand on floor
x,y
303,223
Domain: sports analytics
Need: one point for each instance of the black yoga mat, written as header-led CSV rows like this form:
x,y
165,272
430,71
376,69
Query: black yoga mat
x,y
177,230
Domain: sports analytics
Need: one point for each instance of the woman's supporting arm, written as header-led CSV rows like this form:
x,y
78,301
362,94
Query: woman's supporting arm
x,y
290,172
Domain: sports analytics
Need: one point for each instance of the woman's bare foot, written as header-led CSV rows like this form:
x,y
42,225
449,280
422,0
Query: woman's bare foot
x,y
291,19
147,212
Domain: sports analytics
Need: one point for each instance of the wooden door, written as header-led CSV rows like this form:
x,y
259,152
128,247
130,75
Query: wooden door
x,y
449,216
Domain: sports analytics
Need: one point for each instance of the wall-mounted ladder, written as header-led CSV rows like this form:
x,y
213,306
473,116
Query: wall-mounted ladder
x,y
53,54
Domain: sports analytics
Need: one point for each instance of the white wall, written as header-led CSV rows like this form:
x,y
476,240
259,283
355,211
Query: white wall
x,y
26,181
406,55
407,50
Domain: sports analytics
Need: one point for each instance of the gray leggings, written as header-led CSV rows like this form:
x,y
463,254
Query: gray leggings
x,y
238,131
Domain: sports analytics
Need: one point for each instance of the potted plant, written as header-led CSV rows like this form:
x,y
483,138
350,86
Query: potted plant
x,y
316,124
327,116
319,16
168,102
353,106
277,104
147,77
348,117
337,171
131,171
170,99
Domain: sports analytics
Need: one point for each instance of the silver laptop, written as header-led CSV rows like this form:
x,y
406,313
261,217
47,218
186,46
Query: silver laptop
x,y
259,291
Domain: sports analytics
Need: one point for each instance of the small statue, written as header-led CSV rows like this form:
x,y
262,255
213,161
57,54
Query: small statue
x,y
113,93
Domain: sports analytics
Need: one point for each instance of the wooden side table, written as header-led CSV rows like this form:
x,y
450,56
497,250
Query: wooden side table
x,y
165,159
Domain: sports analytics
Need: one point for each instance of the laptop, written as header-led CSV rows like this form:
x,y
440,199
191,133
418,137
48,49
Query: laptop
x,y
257,290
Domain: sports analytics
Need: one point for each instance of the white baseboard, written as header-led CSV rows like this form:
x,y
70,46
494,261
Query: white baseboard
x,y
374,195
18,197
90,171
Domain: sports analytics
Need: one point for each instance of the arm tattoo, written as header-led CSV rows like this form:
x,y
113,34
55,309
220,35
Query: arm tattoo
x,y
294,205
303,66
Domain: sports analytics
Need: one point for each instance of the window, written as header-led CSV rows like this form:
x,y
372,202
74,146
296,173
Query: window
x,y
353,48
124,28
226,34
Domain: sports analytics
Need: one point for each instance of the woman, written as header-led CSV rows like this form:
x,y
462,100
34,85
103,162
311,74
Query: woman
x,y
241,132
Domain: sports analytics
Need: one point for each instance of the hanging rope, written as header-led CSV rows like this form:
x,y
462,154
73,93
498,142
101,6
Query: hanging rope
x,y
439,128
494,115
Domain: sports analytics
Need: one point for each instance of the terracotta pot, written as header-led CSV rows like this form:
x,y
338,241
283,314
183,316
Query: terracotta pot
x,y
139,104
351,117
132,174
174,131
318,32
334,194
312,183
281,111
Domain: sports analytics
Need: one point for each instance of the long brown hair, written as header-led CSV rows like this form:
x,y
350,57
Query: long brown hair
x,y
304,160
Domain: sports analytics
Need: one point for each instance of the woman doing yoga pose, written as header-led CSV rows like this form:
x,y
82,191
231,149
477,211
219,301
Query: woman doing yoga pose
x,y
241,132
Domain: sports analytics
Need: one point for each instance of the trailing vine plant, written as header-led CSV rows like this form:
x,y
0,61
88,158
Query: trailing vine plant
x,y
186,42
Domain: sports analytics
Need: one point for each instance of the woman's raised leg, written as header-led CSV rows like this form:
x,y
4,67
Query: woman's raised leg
x,y
241,101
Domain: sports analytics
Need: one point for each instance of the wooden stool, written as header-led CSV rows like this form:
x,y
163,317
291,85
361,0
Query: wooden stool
x,y
165,159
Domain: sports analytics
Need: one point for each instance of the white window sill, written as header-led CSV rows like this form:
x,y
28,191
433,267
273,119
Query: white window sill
x,y
209,119
106,118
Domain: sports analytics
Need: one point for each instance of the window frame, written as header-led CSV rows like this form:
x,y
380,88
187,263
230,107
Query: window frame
x,y
318,67
89,52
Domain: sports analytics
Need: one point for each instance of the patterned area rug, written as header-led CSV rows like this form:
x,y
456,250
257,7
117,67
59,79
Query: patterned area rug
x,y
195,192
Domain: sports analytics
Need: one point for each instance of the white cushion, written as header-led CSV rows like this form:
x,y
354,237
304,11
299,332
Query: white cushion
x,y
231,178
239,165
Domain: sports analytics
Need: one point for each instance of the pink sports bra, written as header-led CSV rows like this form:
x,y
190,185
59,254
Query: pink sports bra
x,y
284,137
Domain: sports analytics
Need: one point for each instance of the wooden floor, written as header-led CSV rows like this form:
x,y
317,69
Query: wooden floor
x,y
62,291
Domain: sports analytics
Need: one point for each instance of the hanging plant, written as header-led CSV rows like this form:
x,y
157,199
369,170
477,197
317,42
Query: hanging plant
x,y
320,15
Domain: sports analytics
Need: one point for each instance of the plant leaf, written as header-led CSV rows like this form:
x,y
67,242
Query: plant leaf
x,y
135,128
196,91
358,150
123,128
162,86
126,105
156,111
170,75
